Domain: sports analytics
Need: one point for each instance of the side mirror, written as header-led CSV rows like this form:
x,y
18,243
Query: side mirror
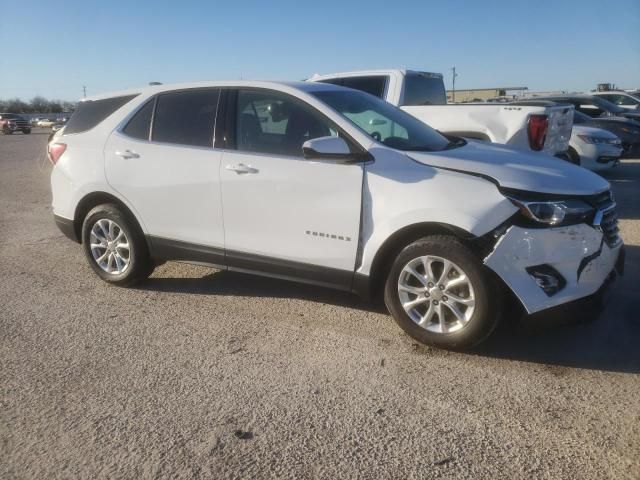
x,y
331,148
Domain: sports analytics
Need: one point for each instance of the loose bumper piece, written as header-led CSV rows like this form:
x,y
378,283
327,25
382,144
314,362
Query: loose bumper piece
x,y
578,254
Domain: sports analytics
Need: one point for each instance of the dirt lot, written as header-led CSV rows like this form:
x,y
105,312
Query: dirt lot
x,y
200,373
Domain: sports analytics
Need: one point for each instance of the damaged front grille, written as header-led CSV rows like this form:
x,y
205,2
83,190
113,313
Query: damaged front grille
x,y
606,218
601,201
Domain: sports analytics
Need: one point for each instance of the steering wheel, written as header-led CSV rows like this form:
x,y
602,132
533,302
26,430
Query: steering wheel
x,y
376,136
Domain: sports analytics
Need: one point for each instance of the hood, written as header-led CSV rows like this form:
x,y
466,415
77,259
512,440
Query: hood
x,y
592,130
517,169
620,120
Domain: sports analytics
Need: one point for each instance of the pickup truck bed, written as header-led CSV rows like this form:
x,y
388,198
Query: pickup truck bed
x,y
538,127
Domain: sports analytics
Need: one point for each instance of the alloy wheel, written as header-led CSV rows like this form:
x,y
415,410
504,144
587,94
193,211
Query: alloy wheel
x,y
436,294
110,246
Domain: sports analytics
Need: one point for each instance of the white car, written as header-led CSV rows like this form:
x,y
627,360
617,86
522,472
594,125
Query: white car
x,y
527,125
45,123
620,98
594,148
283,180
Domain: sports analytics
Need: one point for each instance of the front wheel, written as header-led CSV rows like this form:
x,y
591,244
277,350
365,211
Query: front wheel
x,y
440,294
115,247
26,131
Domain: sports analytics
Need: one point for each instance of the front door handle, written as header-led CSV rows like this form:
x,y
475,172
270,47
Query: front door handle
x,y
128,154
241,168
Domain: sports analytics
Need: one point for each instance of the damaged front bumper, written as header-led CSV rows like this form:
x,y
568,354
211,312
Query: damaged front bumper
x,y
577,254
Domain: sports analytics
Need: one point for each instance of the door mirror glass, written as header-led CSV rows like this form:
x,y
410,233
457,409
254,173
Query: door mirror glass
x,y
329,148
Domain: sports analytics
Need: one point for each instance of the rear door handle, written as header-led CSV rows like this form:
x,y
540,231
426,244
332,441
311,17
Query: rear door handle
x,y
241,168
128,154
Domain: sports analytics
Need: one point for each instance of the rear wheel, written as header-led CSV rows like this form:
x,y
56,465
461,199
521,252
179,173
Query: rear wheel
x,y
115,247
440,294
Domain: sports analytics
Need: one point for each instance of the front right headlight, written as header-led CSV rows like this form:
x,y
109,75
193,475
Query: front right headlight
x,y
599,140
556,212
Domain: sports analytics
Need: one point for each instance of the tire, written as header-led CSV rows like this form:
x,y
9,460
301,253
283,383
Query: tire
x,y
26,131
481,301
7,132
113,262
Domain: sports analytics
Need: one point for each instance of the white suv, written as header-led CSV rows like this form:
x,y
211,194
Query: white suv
x,y
288,180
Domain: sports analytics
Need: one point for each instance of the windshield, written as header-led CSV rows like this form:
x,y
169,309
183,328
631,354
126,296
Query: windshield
x,y
607,106
384,122
424,89
9,116
579,117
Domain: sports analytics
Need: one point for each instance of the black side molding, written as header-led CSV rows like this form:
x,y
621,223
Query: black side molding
x,y
67,227
166,249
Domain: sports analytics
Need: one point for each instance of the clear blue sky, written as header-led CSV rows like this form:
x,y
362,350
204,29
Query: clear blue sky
x,y
110,45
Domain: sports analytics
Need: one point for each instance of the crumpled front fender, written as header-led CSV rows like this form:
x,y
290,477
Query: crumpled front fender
x,y
577,252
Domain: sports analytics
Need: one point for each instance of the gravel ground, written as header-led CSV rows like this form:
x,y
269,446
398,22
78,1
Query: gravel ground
x,y
199,373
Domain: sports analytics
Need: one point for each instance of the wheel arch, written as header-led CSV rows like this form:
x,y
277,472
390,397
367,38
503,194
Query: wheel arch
x,y
94,199
383,258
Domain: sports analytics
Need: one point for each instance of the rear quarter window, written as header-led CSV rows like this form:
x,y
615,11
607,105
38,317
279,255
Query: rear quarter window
x,y
90,113
140,124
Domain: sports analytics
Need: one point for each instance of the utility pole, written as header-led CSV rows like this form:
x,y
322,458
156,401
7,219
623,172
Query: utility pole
x,y
84,91
453,91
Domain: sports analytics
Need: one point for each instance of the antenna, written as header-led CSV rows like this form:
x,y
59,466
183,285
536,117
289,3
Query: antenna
x,y
84,91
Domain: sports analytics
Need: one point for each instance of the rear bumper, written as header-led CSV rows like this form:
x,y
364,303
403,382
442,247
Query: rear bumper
x,y
67,227
578,254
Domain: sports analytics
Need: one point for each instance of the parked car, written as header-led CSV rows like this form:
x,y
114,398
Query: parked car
x,y
46,123
286,180
34,121
594,148
628,131
56,130
621,99
593,106
538,128
11,122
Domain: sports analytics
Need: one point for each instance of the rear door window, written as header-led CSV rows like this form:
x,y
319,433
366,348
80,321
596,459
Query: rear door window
x,y
140,124
186,117
90,113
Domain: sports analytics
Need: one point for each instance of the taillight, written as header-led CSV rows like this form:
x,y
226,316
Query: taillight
x,y
55,151
538,125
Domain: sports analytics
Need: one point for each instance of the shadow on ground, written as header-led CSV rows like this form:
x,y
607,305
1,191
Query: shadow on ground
x,y
584,335
625,182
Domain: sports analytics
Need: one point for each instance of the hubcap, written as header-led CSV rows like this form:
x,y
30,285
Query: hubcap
x,y
110,246
436,294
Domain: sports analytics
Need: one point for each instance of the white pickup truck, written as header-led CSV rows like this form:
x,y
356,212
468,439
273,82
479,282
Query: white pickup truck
x,y
533,127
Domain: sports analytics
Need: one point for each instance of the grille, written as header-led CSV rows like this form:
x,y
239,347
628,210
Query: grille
x,y
20,123
607,216
602,200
